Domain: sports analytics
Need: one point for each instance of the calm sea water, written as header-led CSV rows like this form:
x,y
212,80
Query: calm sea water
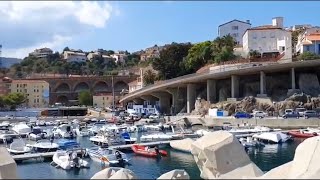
x,y
148,168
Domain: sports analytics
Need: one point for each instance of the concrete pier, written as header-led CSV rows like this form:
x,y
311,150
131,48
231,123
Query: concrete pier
x,y
234,86
8,167
263,85
211,90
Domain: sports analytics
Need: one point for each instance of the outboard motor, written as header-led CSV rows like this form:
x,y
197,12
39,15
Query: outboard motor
x,y
157,152
120,159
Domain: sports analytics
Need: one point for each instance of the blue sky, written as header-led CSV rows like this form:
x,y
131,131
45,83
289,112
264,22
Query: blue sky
x,y
133,25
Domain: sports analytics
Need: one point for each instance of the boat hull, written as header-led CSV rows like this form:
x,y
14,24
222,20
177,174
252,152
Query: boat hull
x,y
141,150
298,134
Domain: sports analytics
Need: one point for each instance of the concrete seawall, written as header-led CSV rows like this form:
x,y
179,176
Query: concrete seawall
x,y
8,167
270,122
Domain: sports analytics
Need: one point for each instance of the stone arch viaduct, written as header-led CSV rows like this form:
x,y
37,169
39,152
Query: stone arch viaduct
x,y
67,88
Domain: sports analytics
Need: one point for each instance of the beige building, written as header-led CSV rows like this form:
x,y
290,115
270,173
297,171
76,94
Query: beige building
x,y
104,100
40,53
36,91
74,56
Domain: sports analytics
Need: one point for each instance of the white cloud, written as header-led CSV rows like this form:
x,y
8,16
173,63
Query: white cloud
x,y
32,24
57,41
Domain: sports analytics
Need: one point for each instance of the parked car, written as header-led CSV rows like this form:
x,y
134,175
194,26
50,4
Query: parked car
x,y
259,114
291,115
242,115
154,116
311,113
300,111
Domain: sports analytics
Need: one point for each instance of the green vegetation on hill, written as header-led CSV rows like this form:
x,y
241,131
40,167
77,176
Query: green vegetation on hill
x,y
85,98
181,59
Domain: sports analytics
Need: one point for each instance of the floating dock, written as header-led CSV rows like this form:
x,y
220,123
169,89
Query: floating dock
x,y
50,154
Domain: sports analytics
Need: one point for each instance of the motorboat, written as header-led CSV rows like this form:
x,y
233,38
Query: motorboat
x,y
67,144
147,151
41,123
128,139
75,121
44,146
94,120
36,134
82,132
68,159
100,140
272,137
137,128
305,133
156,137
50,123
18,146
249,142
7,136
109,157
4,125
96,128
22,129
64,131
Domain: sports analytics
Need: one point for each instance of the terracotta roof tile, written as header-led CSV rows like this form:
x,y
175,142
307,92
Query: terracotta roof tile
x,y
313,37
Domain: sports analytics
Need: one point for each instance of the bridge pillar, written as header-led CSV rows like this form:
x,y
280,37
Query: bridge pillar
x,y
293,79
191,97
164,101
234,86
211,90
263,91
177,103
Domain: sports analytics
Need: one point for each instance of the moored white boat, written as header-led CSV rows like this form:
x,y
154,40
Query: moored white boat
x,y
64,131
44,146
37,134
108,157
272,137
156,137
22,129
18,146
68,159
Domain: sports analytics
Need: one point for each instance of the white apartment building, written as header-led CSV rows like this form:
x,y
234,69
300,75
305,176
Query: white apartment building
x,y
268,39
235,28
72,56
309,41
119,57
41,53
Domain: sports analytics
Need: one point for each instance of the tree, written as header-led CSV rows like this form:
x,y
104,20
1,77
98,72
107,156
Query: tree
x,y
308,56
14,99
169,63
85,98
198,56
222,48
149,77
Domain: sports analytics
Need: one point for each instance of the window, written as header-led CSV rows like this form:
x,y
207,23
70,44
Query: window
x,y
34,101
235,27
17,85
283,48
102,98
272,35
235,35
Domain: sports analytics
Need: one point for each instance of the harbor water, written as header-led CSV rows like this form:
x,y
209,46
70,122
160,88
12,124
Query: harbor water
x,y
266,158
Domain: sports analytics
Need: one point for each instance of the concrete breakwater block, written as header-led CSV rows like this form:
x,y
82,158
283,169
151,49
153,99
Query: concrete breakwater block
x,y
219,155
114,173
175,174
8,167
182,145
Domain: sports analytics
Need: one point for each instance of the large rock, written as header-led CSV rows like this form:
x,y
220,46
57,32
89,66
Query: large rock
x,y
114,173
306,160
8,167
175,174
309,84
220,155
182,145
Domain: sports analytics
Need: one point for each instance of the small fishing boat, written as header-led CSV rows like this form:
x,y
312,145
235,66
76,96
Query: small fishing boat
x,y
272,137
68,159
44,146
108,157
64,131
305,133
18,146
148,152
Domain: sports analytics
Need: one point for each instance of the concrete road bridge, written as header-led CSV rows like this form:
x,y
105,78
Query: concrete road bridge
x,y
64,89
230,82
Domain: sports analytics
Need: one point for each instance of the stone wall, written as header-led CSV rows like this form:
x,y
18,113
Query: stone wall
x,y
8,167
